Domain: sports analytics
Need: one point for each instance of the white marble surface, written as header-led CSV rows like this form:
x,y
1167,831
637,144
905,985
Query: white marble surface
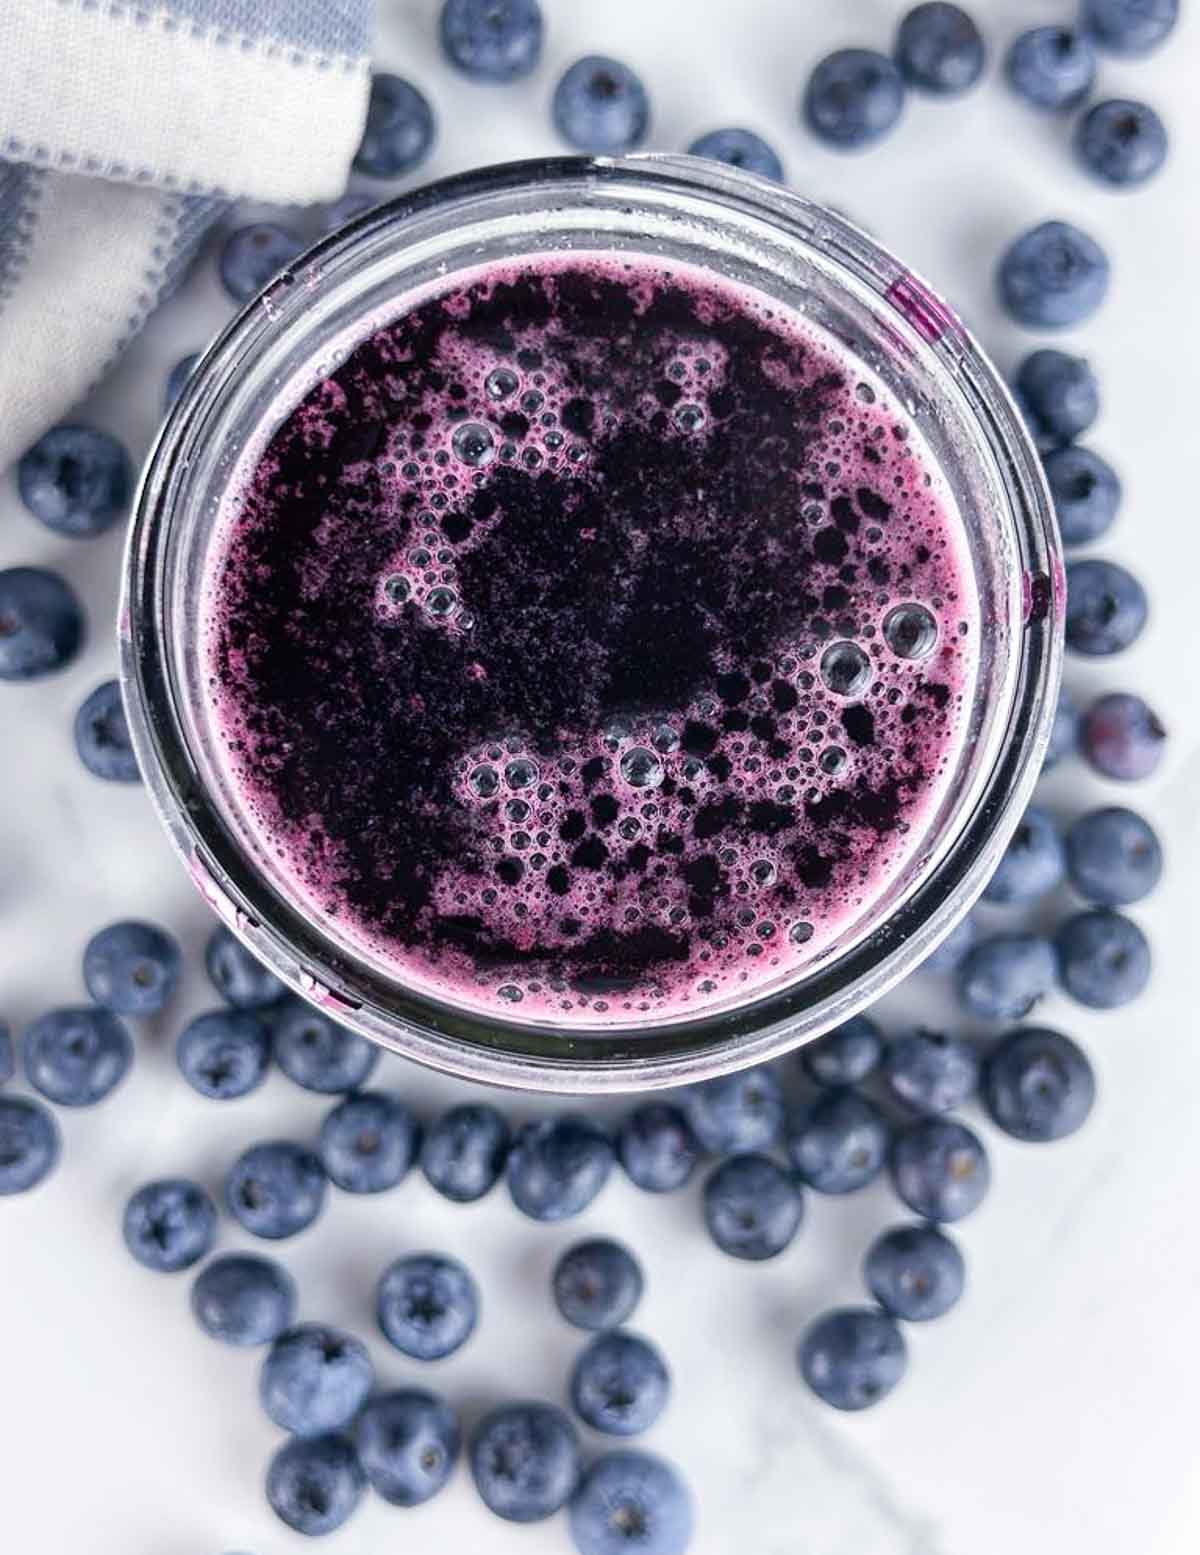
x,y
1054,1411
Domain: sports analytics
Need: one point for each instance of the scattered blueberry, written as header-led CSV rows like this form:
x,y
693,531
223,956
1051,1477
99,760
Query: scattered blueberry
x,y
1103,957
1053,275
838,1145
853,98
244,1299
631,1503
368,1142
347,208
1037,1085
29,1144
657,1147
557,1166
77,480
253,255
178,376
739,148
408,1443
237,974
465,1152
1031,865
601,106
852,1357
1122,737
525,1461
939,1169
275,1189
314,1379
620,1384
8,1053
1114,857
742,1111
492,40
947,955
76,1056
915,1272
1051,67
597,1284
170,1225
314,1484
1002,978
132,967
316,1052
846,1055
1064,730
399,129
427,1305
1061,393
931,1071
1130,26
224,1054
752,1207
1122,143
1086,492
102,736
939,49
1106,608
41,623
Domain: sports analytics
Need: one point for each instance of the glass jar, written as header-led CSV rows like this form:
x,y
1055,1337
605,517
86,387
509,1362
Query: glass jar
x,y
685,210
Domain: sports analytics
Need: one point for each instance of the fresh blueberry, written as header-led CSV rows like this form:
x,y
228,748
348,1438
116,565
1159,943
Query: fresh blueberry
x,y
313,1485
1130,26
178,376
657,1147
132,967
1122,143
8,1053
839,1143
41,623
557,1167
465,1151
939,49
368,1142
852,1357
316,1052
1037,1085
1114,857
275,1189
597,1284
314,1379
631,1503
752,1207
947,955
492,40
102,736
915,1272
931,1071
1061,393
1106,608
347,208
739,148
29,1144
1051,67
76,1056
1053,275
224,1054
1103,958
243,1299
427,1305
1122,737
1064,731
601,106
620,1384
408,1444
853,98
170,1225
237,974
77,480
846,1055
1086,492
742,1111
399,129
1002,978
939,1169
1031,865
253,255
525,1461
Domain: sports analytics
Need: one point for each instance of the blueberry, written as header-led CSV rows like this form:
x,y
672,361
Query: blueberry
x,y
399,129
597,1284
1060,392
1037,1085
316,1052
29,1144
1053,275
1122,737
946,956
427,1305
170,1225
939,49
931,1071
601,106
1051,67
739,148
914,1272
853,98
1130,26
224,1054
314,1485
939,1169
1086,492
752,1207
465,1151
178,376
243,1299
8,1053
852,1357
839,1143
237,974
368,1142
102,736
657,1147
742,1111
275,1189
525,1461
77,480
1106,608
347,208
408,1443
41,623
1031,865
846,1055
314,1379
1002,978
620,1384
631,1502
76,1056
1064,730
1103,957
254,255
1120,142
492,40
132,968
1114,857
556,1167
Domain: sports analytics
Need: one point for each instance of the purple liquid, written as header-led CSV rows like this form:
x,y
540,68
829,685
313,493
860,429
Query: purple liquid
x,y
594,642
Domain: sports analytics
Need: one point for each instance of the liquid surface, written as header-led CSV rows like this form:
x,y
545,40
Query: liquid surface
x,y
593,643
